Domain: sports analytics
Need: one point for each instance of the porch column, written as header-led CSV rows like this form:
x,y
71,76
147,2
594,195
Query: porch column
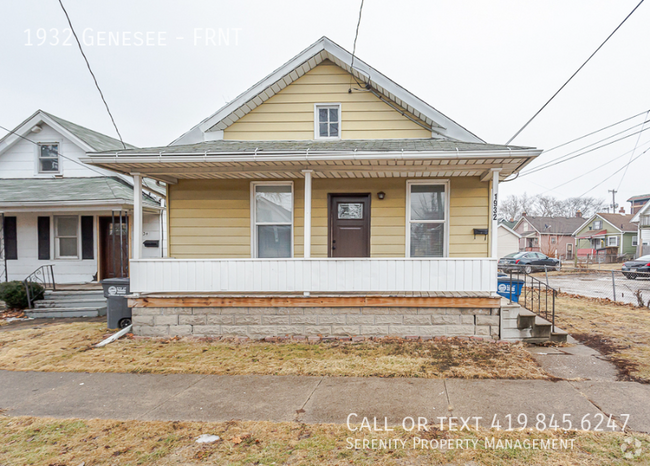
x,y
137,216
307,220
494,211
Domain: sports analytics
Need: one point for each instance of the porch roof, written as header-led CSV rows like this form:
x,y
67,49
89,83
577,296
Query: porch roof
x,y
46,192
328,159
594,234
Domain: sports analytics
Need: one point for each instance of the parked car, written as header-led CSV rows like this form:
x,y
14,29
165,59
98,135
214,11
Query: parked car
x,y
637,267
528,262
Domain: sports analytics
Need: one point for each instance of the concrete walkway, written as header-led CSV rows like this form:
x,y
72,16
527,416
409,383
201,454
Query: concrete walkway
x,y
314,399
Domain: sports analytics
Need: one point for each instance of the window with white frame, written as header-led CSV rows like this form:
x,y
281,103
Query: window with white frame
x,y
48,158
598,224
66,237
272,220
327,119
635,240
612,241
525,226
427,219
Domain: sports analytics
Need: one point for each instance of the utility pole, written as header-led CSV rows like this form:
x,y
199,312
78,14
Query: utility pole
x,y
614,204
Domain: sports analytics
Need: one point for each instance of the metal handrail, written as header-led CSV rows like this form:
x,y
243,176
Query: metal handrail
x,y
44,275
532,294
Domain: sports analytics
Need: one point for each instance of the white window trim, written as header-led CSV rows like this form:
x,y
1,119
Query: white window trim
x,y
37,167
316,121
254,184
635,240
444,183
599,223
609,238
55,237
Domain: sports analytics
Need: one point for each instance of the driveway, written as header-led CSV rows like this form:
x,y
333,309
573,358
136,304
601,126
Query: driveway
x,y
600,285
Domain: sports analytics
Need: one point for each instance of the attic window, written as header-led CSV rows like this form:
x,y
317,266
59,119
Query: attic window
x,y
598,224
48,158
327,121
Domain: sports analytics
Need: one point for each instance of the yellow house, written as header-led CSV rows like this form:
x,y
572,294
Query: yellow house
x,y
324,200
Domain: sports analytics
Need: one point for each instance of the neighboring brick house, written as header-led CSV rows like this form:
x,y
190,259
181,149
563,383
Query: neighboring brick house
x,y
552,236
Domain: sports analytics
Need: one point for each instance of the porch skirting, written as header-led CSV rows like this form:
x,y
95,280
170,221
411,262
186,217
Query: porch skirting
x,y
261,322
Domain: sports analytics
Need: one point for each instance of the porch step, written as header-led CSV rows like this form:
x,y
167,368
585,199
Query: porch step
x,y
559,335
69,303
525,319
66,312
541,328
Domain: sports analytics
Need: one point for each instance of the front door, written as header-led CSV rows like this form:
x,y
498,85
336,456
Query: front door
x,y
113,247
349,225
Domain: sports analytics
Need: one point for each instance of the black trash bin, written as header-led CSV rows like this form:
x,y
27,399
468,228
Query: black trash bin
x,y
118,311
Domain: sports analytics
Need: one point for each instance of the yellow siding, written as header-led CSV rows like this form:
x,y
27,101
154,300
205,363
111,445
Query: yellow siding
x,y
289,115
211,218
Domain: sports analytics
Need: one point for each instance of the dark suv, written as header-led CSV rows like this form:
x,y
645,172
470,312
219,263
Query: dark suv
x,y
528,262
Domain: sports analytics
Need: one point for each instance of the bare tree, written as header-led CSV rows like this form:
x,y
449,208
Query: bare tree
x,y
513,206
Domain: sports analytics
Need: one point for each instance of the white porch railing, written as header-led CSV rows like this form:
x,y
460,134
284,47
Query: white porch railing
x,y
323,275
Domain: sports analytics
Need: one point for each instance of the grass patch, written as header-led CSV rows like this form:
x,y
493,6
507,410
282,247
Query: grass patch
x,y
68,348
49,442
621,331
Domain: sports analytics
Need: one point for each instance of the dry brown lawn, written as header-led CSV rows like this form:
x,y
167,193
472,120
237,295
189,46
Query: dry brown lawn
x,y
69,348
622,331
53,442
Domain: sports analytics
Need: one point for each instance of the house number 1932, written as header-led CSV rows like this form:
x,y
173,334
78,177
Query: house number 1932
x,y
495,204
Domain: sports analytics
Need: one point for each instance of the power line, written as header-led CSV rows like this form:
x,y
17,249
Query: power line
x,y
574,74
559,159
91,73
632,155
597,131
356,35
592,170
623,167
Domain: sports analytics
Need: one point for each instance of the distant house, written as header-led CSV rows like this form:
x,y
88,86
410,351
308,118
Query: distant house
x,y
637,202
642,221
552,236
60,211
613,232
508,240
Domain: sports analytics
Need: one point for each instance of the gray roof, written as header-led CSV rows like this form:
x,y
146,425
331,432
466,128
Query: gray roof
x,y
341,145
99,189
620,221
98,141
556,225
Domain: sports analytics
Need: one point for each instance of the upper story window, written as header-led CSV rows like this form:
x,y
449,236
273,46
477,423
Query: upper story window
x,y
598,224
327,119
48,158
525,226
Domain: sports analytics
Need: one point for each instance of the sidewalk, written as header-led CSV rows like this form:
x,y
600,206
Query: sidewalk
x,y
314,399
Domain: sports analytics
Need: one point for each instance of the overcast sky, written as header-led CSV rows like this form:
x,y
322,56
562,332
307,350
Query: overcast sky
x,y
489,65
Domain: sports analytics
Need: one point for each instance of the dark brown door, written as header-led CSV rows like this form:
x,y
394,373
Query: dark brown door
x,y
113,247
349,225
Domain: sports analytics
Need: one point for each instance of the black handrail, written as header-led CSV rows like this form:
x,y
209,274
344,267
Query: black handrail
x,y
44,276
532,290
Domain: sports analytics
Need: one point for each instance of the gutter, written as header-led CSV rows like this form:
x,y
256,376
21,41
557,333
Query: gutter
x,y
299,156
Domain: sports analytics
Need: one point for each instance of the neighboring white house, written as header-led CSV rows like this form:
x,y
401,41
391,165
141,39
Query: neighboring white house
x,y
508,240
642,220
59,211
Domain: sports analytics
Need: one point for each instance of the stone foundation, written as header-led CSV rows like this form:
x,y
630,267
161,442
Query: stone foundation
x,y
261,322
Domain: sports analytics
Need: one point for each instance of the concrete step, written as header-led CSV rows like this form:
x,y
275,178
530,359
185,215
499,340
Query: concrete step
x,y
559,335
71,294
47,304
525,319
541,328
66,312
